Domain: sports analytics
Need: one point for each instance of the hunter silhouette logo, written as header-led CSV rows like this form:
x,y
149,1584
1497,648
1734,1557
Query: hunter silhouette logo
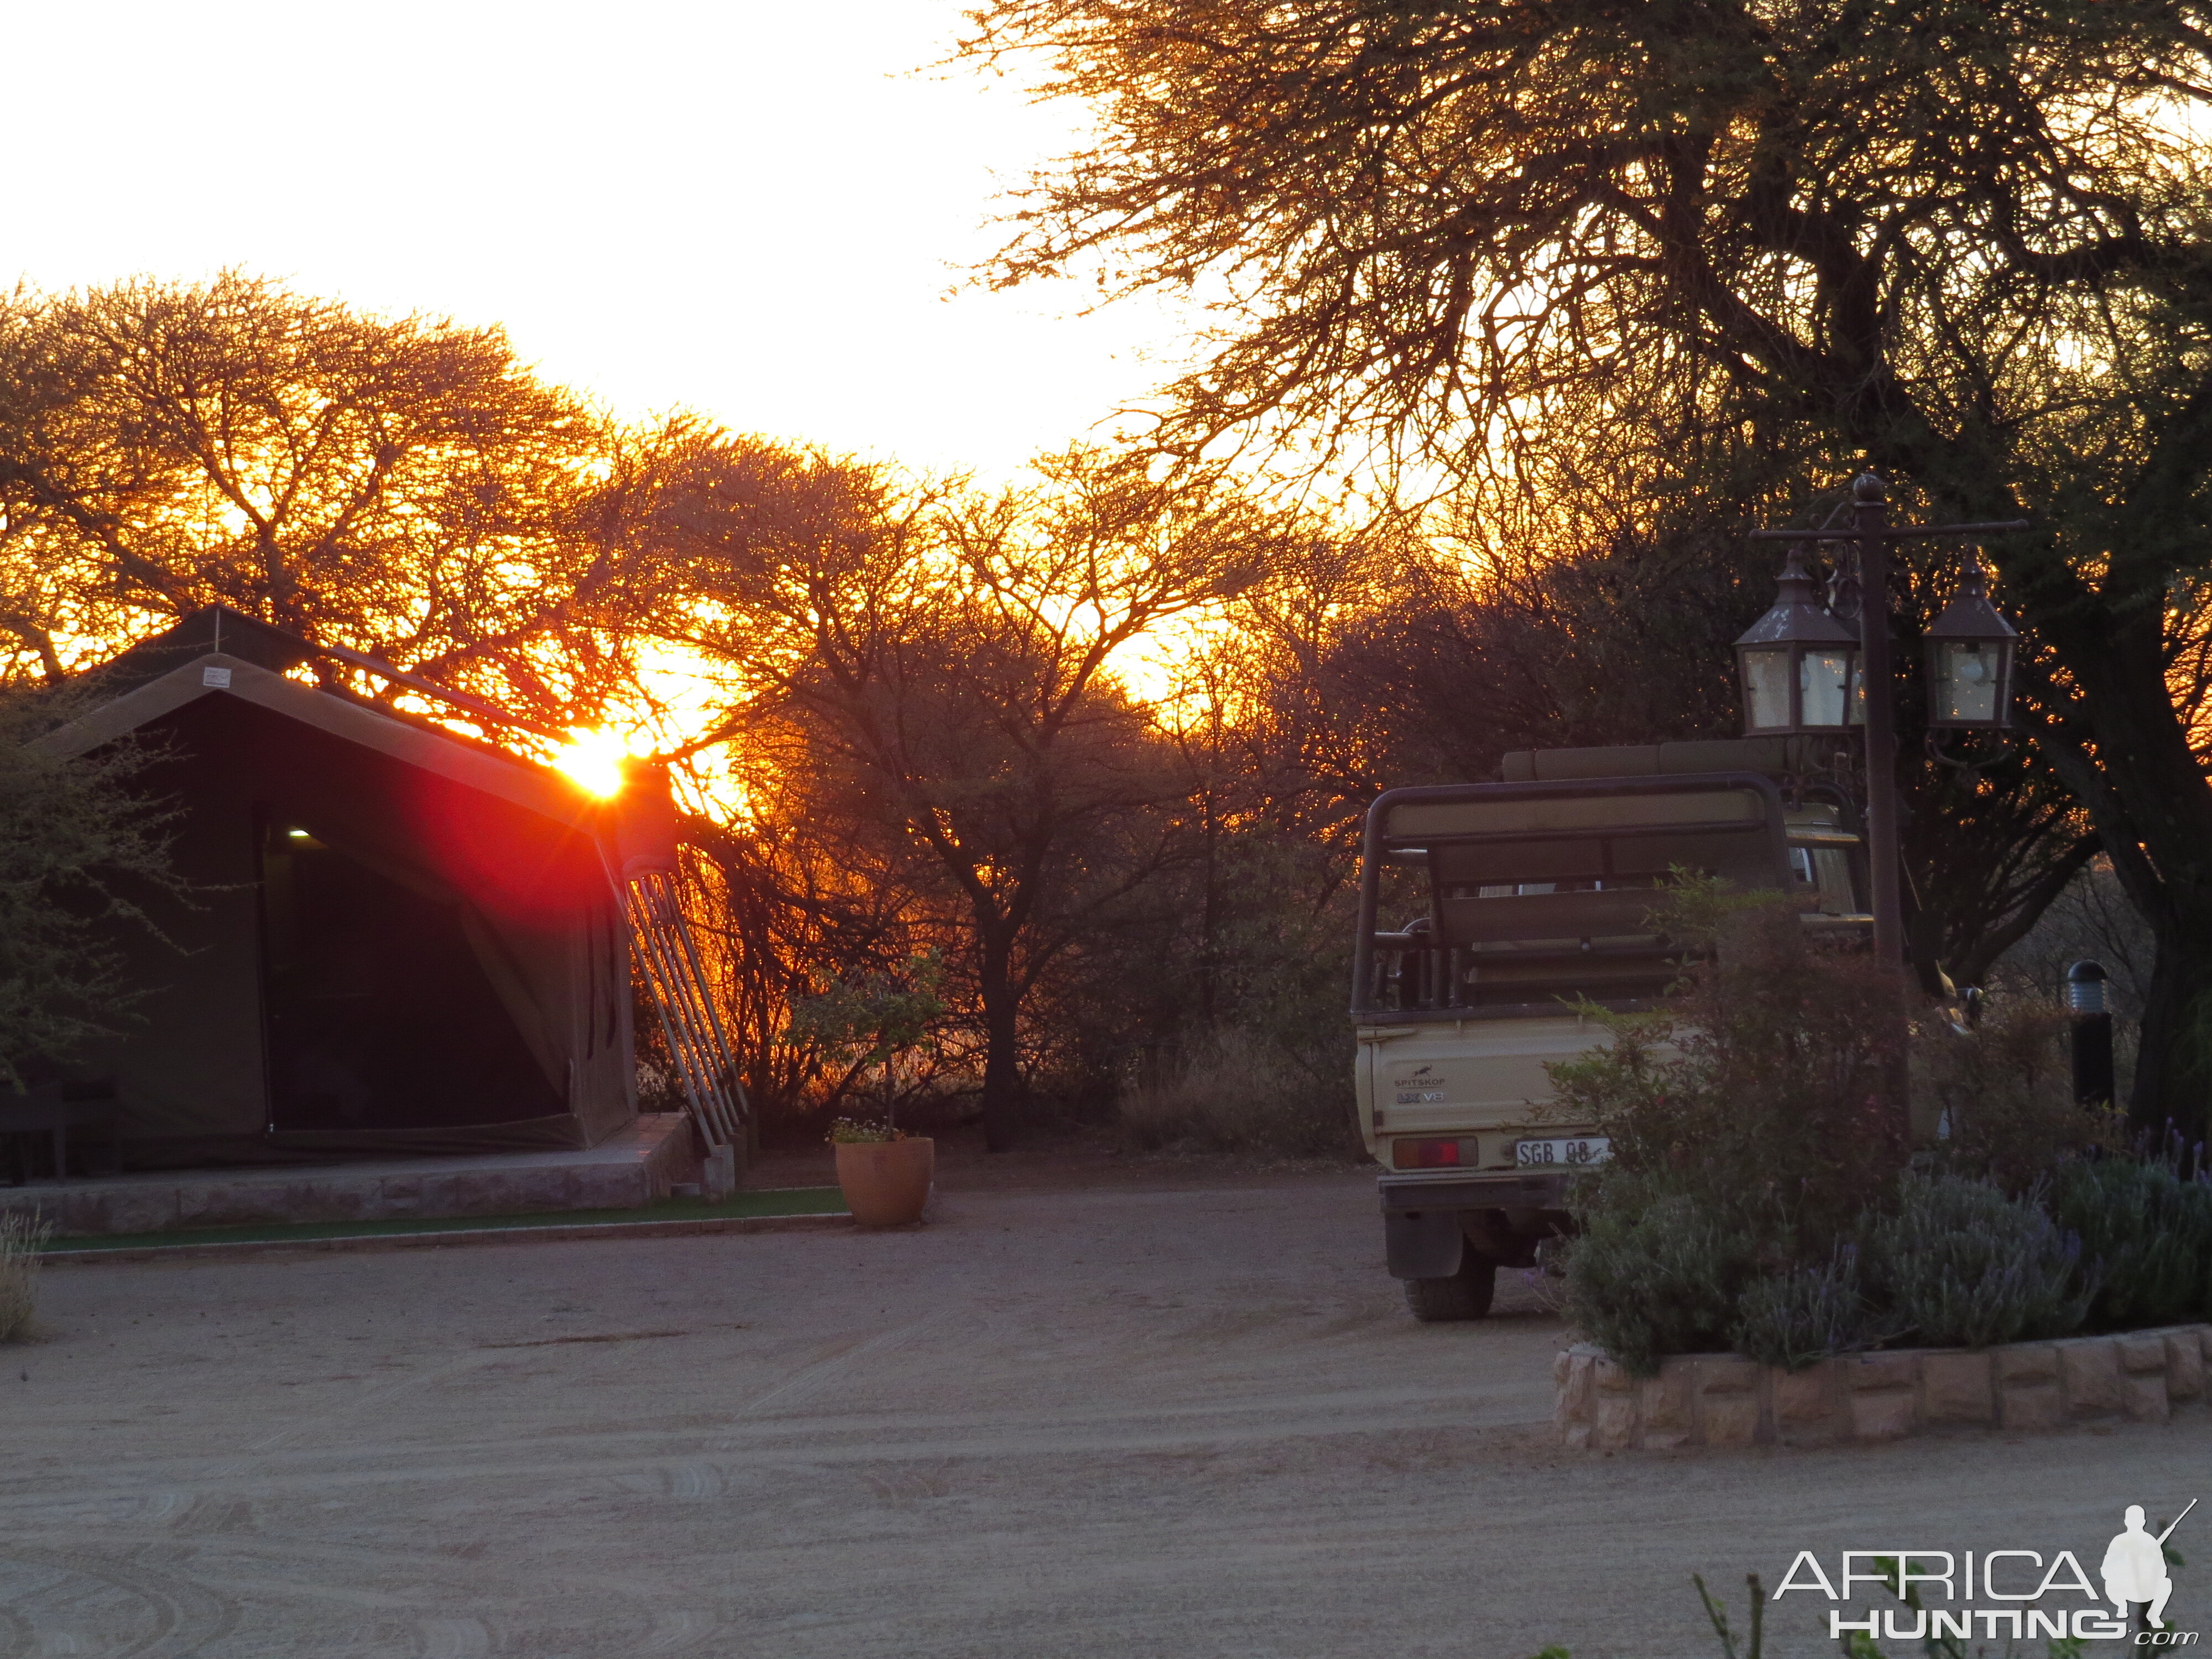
x,y
2134,1566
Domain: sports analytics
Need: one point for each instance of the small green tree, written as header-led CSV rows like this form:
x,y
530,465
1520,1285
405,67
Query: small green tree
x,y
865,1023
79,851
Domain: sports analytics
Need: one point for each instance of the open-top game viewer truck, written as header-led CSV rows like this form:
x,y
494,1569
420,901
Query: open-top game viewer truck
x,y
1525,898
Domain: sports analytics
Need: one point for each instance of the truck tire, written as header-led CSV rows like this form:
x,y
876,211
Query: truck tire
x,y
1465,1294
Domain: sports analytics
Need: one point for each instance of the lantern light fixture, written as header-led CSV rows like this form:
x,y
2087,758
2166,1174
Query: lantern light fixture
x,y
1799,665
1970,660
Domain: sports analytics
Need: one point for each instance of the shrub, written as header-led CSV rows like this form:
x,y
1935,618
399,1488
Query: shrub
x,y
1655,1272
1961,1264
1810,1311
2004,1093
1759,1196
2148,1233
21,1238
1229,1093
1748,1138
1761,1093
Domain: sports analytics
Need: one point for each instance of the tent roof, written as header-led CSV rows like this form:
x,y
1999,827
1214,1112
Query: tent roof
x,y
216,653
214,629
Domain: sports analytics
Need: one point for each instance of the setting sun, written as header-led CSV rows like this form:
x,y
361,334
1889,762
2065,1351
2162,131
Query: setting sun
x,y
594,761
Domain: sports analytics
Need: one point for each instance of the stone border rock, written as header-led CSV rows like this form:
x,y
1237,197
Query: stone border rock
x,y
1726,1399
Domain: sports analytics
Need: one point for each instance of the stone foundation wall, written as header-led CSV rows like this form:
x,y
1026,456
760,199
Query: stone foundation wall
x,y
1726,1399
629,1171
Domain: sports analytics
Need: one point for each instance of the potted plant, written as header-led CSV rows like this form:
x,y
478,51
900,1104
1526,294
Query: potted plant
x,y
866,1023
886,1174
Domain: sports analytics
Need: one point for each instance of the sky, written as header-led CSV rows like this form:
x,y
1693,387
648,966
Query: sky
x,y
757,210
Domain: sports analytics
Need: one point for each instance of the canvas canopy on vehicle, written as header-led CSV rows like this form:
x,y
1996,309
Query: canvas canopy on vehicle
x,y
401,940
1535,891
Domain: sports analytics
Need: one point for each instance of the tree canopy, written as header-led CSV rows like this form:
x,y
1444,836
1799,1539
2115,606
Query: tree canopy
x,y
1588,257
404,486
938,673
911,711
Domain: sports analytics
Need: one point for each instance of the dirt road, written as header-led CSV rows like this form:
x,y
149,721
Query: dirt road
x,y
1108,1420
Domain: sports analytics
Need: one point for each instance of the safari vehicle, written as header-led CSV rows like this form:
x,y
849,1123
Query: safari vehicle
x,y
1529,897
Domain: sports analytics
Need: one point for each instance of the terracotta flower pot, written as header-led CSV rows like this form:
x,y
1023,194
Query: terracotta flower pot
x,y
886,1182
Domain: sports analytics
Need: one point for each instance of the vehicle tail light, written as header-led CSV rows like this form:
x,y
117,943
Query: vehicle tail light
x,y
1432,1154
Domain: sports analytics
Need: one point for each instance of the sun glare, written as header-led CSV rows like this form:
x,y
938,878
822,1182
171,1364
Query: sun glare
x,y
594,761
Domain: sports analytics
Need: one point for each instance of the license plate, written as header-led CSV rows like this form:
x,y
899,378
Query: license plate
x,y
1568,1152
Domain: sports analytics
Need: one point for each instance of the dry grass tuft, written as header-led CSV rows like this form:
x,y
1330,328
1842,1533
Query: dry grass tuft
x,y
21,1238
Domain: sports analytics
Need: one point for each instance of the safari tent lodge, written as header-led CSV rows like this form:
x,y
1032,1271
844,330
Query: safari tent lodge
x,y
401,942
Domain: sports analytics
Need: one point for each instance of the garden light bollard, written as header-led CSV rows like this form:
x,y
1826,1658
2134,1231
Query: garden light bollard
x,y
2091,1034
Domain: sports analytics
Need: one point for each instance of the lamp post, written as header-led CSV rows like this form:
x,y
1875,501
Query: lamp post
x,y
1798,663
1970,657
1975,651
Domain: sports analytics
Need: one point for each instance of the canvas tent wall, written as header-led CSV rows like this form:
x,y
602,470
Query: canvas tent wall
x,y
403,941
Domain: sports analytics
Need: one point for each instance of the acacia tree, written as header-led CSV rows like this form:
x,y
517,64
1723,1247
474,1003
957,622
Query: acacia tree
x,y
1550,242
937,669
402,486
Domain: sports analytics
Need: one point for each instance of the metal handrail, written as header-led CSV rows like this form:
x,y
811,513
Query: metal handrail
x,y
696,1040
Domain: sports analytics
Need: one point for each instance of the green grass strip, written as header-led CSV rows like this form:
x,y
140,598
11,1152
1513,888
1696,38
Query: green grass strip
x,y
788,1200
